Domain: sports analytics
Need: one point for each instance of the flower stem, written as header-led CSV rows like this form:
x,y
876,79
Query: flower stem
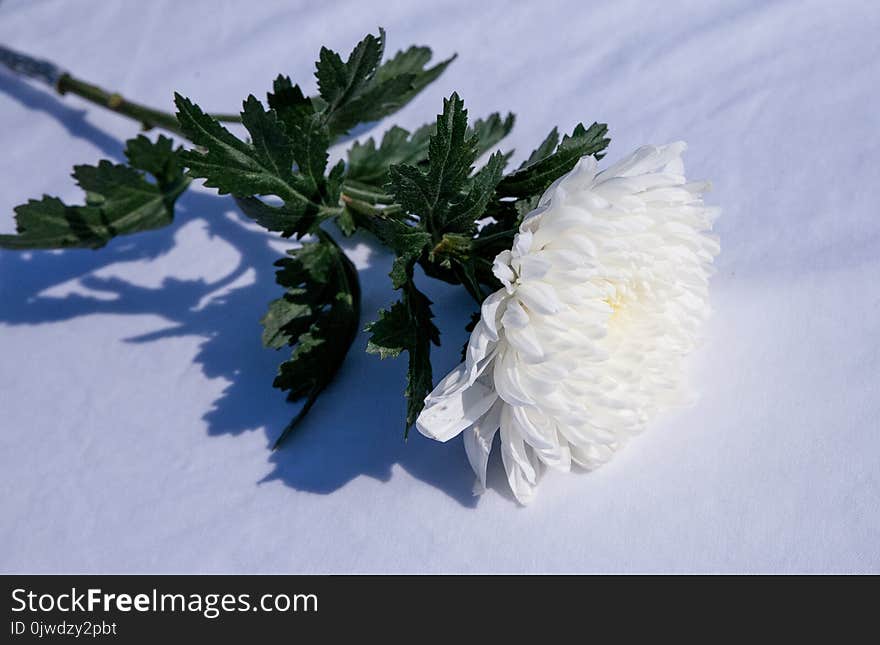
x,y
366,193
481,242
65,83
115,102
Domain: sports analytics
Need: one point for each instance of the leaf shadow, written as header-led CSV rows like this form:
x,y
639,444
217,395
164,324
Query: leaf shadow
x,y
72,119
356,426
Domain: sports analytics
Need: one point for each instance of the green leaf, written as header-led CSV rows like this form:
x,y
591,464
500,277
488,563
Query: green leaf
x,y
289,103
360,90
339,81
349,90
392,332
446,201
271,147
491,130
436,194
333,184
119,201
407,326
430,194
466,271
287,157
407,241
346,222
368,164
464,214
290,218
548,145
371,105
317,316
242,169
543,168
286,319
159,158
410,62
443,195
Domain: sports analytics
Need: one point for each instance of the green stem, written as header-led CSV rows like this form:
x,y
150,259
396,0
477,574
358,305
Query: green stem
x,y
366,193
367,214
480,242
148,117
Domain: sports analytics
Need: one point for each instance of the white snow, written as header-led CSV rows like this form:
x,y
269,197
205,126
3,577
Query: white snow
x,y
136,407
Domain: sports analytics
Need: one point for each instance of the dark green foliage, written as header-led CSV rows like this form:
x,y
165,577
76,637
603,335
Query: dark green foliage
x,y
368,164
234,166
159,158
408,243
317,315
444,195
491,130
411,61
289,103
360,90
407,326
286,218
445,199
464,214
265,166
548,145
544,165
119,201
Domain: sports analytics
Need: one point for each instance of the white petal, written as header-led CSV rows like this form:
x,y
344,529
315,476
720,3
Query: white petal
x,y
538,438
522,242
515,316
526,342
582,174
522,474
479,346
501,268
533,267
452,382
490,310
478,443
507,379
446,415
539,296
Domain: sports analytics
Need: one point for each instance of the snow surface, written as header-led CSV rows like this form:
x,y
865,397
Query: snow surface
x,y
136,405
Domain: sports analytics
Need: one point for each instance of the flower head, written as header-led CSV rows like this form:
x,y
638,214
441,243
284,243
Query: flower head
x,y
605,289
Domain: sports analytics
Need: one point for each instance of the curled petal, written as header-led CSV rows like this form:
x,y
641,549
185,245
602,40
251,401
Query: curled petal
x,y
493,307
501,269
478,443
480,347
447,414
519,464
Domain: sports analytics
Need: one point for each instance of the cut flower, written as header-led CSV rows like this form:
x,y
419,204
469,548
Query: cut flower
x,y
605,290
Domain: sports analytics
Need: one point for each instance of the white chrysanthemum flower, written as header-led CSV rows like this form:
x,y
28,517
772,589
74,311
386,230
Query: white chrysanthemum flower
x,y
605,289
